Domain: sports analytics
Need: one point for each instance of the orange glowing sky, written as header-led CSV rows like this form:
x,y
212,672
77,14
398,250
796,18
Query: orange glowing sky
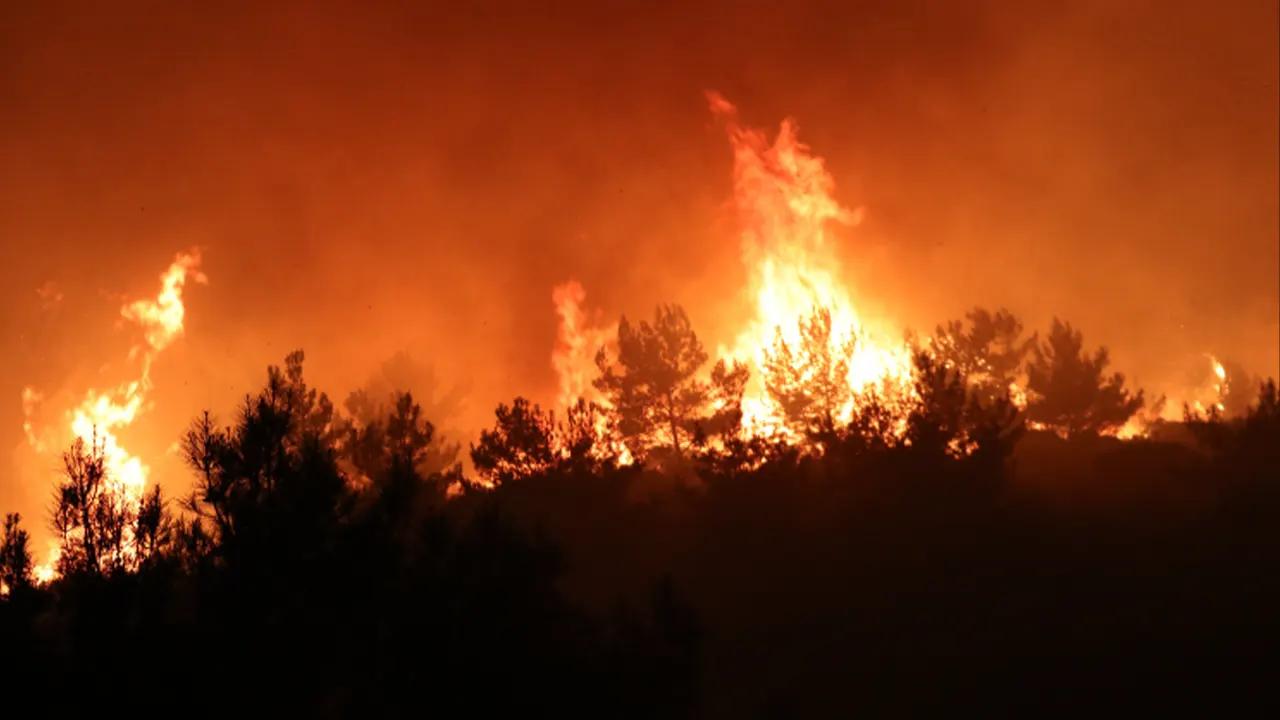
x,y
363,181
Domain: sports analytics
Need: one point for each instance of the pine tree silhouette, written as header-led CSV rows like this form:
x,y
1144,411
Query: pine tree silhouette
x,y
15,555
652,384
1069,389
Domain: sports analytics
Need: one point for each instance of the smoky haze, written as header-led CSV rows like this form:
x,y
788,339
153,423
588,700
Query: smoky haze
x,y
368,181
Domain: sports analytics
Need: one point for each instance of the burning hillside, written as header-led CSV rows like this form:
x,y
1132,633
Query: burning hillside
x,y
809,357
645,360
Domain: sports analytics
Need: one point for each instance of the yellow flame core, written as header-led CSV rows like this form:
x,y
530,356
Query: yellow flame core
x,y
784,198
1220,388
103,413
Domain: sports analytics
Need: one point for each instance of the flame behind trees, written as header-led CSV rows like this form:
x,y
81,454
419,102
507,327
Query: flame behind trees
x,y
103,530
805,367
786,209
655,405
651,379
808,379
97,455
653,385
102,413
527,440
521,444
989,350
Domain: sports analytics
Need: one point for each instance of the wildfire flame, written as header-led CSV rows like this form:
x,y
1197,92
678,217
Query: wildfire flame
x,y
1221,373
785,202
1208,395
577,341
787,210
102,414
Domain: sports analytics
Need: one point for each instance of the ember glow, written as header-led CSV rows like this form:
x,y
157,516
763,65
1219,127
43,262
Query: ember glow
x,y
102,414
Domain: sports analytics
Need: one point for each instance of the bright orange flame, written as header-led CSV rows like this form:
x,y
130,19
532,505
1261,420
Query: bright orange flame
x,y
46,572
785,202
577,341
1220,388
161,318
1208,394
1138,426
103,413
1018,396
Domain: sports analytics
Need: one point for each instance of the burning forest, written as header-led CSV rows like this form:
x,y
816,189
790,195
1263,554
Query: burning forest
x,y
843,375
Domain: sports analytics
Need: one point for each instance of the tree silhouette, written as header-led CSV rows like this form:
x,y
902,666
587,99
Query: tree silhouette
x,y
152,526
1265,412
102,531
15,555
724,400
810,381
1259,427
949,415
381,439
1069,391
522,443
936,422
584,439
989,351
271,481
369,421
652,384
874,425
527,440
323,572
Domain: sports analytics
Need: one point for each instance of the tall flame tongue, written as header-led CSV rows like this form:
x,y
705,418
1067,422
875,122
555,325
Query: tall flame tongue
x,y
577,340
579,336
103,413
783,195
